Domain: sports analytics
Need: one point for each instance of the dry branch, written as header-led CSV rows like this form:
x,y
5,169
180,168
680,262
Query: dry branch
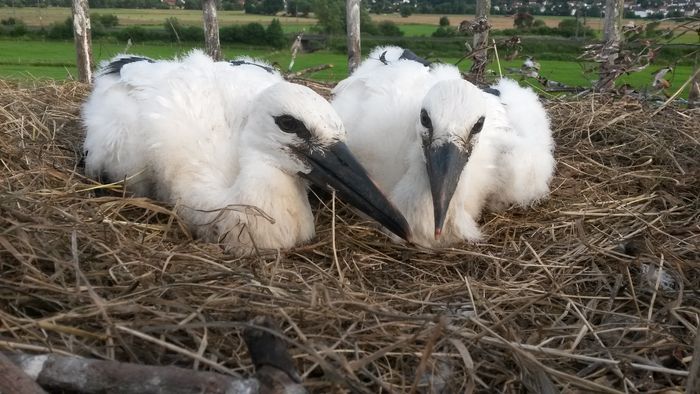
x,y
77,374
275,372
693,386
309,70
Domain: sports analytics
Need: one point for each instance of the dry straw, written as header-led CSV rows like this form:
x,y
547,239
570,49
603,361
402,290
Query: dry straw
x,y
594,289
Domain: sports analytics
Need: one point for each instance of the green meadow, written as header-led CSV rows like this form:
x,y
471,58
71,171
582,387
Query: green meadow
x,y
31,60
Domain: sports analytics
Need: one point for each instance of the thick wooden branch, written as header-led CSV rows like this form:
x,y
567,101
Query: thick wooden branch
x,y
83,39
211,29
352,10
481,38
612,35
275,372
82,375
14,380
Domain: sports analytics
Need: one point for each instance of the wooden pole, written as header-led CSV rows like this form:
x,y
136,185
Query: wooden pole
x,y
481,40
612,35
83,39
211,29
352,10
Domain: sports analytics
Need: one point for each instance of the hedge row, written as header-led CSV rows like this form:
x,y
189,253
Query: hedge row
x,y
171,31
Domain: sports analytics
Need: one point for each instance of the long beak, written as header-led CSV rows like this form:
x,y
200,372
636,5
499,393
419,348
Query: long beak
x,y
336,168
445,164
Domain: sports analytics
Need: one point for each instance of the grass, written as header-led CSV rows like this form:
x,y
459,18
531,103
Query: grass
x,y
55,60
416,30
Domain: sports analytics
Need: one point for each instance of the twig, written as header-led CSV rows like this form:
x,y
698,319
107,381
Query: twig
x,y
309,70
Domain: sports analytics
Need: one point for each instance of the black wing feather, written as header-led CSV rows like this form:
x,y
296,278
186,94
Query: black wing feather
x,y
409,55
493,91
115,67
245,62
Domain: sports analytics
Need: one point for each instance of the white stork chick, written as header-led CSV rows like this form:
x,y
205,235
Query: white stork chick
x,y
211,137
445,148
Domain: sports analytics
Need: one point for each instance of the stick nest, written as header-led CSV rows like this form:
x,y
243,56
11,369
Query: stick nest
x,y
593,289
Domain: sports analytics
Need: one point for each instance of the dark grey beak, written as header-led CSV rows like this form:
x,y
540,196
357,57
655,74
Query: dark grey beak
x,y
336,168
445,164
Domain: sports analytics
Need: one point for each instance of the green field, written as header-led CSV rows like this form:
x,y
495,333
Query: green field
x,y
414,25
21,60
36,59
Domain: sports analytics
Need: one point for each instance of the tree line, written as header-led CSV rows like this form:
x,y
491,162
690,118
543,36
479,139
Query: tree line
x,y
304,8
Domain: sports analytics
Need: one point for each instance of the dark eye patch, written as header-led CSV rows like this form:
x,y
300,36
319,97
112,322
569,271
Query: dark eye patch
x,y
428,124
425,119
476,129
292,125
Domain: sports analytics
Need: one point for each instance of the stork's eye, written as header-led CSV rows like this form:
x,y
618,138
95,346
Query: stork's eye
x,y
476,129
425,119
290,124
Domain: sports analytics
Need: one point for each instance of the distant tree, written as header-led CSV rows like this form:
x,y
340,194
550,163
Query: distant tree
x,y
406,10
444,21
193,5
445,31
331,17
523,20
594,12
570,27
107,20
389,29
275,34
249,6
231,5
271,7
173,28
298,7
13,27
381,6
61,30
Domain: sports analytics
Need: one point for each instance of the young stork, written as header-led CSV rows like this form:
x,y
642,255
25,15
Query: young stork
x,y
213,137
443,147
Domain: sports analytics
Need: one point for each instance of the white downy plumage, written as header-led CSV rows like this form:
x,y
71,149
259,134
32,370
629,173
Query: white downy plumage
x,y
443,147
216,138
